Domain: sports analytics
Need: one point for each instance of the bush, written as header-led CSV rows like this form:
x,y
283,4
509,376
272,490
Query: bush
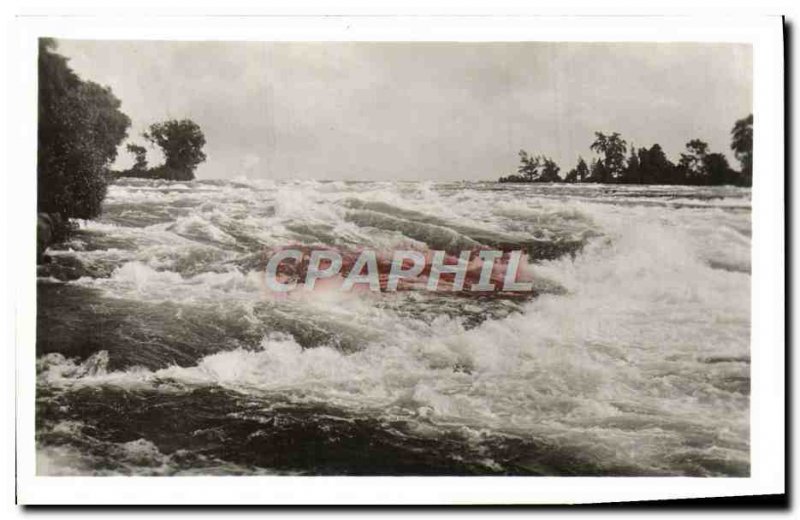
x,y
80,127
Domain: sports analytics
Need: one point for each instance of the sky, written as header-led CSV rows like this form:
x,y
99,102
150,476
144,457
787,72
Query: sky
x,y
419,110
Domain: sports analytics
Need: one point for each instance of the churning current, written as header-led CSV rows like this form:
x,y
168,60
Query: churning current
x,y
159,354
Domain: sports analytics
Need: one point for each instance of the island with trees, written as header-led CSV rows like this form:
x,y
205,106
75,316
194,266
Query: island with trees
x,y
616,163
181,142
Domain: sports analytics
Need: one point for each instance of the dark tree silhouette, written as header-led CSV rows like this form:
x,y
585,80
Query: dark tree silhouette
x,y
612,147
572,175
182,142
697,165
632,171
140,157
742,146
692,163
598,172
537,168
529,166
582,170
80,128
717,170
655,167
549,171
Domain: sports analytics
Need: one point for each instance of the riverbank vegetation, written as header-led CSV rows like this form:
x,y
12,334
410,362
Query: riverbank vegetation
x,y
80,127
617,163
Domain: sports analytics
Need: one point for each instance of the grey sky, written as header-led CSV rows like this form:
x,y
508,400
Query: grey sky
x,y
415,111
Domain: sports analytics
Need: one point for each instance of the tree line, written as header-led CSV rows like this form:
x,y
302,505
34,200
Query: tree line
x,y
80,127
616,163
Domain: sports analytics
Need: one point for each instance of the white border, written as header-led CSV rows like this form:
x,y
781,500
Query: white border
x,y
767,418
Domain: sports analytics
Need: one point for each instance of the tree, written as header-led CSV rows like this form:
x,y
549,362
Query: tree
x,y
632,172
538,168
699,166
597,172
140,157
549,171
655,167
692,163
182,142
613,149
718,171
742,146
582,170
80,128
528,167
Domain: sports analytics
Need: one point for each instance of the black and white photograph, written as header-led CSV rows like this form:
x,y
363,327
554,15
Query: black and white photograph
x,y
265,257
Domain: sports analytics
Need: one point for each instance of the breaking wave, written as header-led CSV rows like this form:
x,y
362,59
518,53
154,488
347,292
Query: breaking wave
x,y
158,353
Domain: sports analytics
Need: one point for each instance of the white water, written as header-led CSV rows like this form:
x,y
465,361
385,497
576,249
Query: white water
x,y
640,359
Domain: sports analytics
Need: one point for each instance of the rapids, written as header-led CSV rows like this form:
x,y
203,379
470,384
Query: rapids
x,y
159,352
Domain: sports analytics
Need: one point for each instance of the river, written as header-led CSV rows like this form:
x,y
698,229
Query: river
x,y
159,353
